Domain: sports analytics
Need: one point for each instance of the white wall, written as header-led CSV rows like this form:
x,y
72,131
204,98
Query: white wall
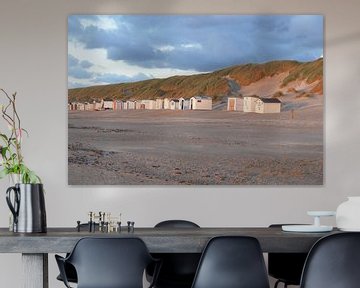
x,y
33,61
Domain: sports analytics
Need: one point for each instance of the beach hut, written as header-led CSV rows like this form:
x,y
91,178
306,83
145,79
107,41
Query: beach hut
x,y
118,105
108,104
159,103
152,104
89,106
174,104
250,103
235,104
268,105
80,106
139,105
98,105
184,104
201,103
148,104
166,103
72,106
130,105
124,107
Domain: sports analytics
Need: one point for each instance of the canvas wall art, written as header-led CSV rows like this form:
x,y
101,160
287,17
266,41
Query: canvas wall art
x,y
195,99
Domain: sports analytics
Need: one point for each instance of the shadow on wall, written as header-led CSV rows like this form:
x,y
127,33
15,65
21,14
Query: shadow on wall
x,y
139,7
344,39
341,73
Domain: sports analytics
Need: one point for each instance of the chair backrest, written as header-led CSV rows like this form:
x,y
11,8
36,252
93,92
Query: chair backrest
x,y
176,224
333,262
110,262
232,262
177,270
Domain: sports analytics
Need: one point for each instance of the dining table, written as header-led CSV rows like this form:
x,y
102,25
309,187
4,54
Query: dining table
x,y
35,247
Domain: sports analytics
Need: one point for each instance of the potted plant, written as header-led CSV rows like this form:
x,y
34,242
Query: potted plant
x,y
11,159
26,197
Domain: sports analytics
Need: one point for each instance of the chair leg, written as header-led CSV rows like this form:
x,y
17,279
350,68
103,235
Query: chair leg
x,y
277,283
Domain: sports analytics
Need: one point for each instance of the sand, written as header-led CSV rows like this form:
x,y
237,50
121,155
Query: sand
x,y
268,86
157,147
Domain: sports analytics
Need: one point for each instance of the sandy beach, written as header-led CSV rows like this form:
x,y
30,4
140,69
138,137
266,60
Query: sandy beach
x,y
195,147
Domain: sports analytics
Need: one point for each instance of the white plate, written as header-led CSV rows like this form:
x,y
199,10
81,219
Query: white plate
x,y
350,229
306,228
321,213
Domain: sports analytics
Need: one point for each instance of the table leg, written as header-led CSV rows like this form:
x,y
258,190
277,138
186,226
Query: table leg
x,y
35,270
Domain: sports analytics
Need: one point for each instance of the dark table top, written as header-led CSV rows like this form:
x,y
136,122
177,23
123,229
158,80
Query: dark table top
x,y
158,240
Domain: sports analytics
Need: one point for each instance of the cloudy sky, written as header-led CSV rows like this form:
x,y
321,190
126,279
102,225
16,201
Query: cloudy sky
x,y
104,49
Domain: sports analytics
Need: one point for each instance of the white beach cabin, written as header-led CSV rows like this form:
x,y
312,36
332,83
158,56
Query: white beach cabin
x,y
147,104
72,106
235,104
268,105
159,103
138,105
184,104
108,104
167,103
89,106
80,106
130,105
98,105
174,104
201,103
250,103
118,105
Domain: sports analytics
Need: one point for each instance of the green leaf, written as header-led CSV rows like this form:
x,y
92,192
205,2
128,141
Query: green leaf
x,y
4,173
33,178
4,137
28,176
13,157
26,132
3,151
15,169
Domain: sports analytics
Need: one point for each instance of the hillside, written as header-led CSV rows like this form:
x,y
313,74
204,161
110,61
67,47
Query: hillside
x,y
281,76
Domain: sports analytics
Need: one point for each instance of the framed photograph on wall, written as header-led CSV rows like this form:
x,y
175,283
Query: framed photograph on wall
x,y
195,99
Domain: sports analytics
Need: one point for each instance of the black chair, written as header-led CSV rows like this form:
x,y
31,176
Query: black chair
x,y
108,263
69,269
286,267
176,224
232,262
178,269
333,262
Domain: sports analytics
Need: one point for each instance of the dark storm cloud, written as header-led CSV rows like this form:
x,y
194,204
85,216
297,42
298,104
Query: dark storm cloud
x,y
107,78
203,43
72,61
72,84
86,64
79,73
78,69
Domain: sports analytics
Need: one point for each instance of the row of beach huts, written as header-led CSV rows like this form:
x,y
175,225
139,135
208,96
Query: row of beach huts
x,y
194,103
244,104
